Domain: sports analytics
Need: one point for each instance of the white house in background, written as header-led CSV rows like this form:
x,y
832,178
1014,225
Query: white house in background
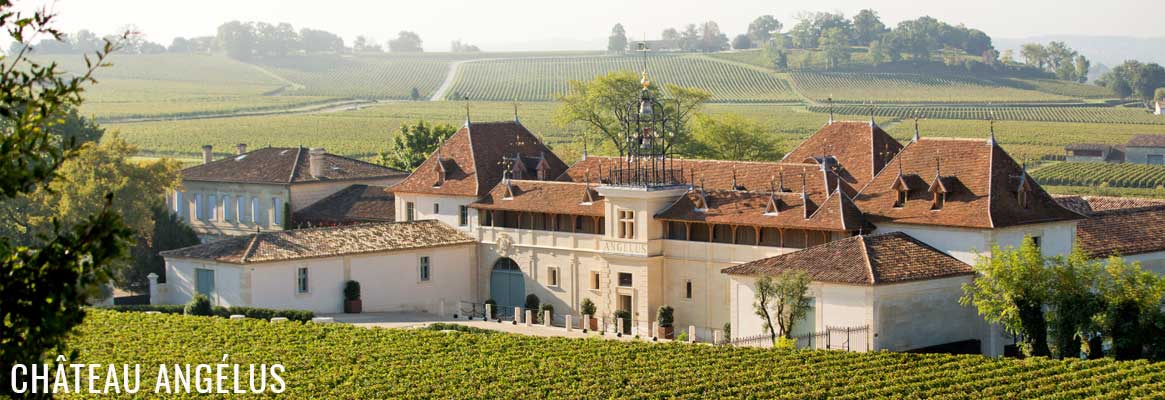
x,y
901,288
1133,229
257,190
407,266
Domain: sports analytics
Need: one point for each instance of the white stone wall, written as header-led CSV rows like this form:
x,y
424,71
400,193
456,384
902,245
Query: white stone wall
x,y
966,244
448,208
391,281
1153,262
228,282
218,225
926,313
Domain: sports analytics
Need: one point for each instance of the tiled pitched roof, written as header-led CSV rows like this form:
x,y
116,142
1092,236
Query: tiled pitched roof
x,y
543,196
1147,141
1089,204
862,260
284,165
1122,232
981,180
325,242
353,204
860,148
474,159
836,213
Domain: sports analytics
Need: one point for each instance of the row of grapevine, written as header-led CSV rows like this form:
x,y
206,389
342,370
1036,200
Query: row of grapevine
x,y
543,79
375,77
848,87
1096,115
1090,174
342,361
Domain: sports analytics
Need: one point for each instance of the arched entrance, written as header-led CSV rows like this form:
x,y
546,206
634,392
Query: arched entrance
x,y
507,285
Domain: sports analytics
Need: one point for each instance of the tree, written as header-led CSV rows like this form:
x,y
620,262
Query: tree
x,y
877,53
1130,295
1011,289
601,104
318,41
834,41
85,41
406,42
867,27
764,298
1008,57
670,34
784,300
238,39
918,37
711,39
1034,54
46,286
617,41
762,29
731,137
414,143
1074,301
776,53
1159,94
460,47
169,232
690,38
180,45
741,42
281,39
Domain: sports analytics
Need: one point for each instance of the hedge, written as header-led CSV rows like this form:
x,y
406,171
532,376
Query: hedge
x,y
249,312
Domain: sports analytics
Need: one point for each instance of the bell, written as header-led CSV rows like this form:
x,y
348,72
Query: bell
x,y
645,107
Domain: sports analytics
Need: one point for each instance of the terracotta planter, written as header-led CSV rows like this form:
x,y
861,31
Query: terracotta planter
x,y
353,306
666,332
593,324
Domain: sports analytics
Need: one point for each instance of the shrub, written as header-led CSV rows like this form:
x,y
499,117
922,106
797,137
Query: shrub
x,y
543,309
199,305
682,337
249,312
665,315
440,326
785,343
532,301
351,290
626,315
727,331
587,307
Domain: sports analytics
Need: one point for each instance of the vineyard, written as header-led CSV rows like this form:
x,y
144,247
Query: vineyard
x,y
363,76
1092,174
342,361
911,88
1095,115
543,79
1028,139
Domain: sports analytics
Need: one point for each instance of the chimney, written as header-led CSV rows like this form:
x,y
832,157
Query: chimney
x,y
240,148
206,155
315,161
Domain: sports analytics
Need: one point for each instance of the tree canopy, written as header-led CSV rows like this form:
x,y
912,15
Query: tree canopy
x,y
406,42
617,42
414,143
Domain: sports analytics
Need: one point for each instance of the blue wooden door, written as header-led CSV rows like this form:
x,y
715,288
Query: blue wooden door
x,y
507,284
204,279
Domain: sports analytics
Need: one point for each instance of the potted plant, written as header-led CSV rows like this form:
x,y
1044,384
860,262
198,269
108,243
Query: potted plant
x,y
352,303
626,316
665,316
588,308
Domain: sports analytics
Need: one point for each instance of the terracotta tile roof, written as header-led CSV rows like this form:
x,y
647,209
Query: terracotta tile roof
x,y
1122,232
862,260
1088,146
719,175
473,159
284,165
1089,204
1147,141
860,149
543,196
353,204
836,213
325,242
981,180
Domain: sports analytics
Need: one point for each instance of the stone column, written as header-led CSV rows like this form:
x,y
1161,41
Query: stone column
x,y
654,328
517,315
619,325
529,317
489,311
691,334
154,288
716,336
569,328
546,318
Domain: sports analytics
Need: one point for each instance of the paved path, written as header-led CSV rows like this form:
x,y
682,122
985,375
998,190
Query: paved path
x,y
421,320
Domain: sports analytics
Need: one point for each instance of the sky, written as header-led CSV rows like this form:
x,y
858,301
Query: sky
x,y
509,25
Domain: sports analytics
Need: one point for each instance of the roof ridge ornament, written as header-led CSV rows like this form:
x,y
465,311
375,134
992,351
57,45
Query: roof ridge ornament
x,y
917,137
830,100
872,123
991,139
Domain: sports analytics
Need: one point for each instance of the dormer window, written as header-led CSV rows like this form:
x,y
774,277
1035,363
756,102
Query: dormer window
x,y
543,168
940,198
938,189
773,208
440,169
901,200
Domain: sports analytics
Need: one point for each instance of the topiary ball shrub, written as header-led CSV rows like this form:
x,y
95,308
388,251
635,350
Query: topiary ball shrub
x,y
199,305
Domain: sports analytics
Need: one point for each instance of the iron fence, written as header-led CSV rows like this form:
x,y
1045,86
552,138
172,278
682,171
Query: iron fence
x,y
832,338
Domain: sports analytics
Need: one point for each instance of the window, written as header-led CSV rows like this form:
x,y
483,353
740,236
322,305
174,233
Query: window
x,y
255,210
901,200
552,276
204,281
463,216
626,224
178,206
625,279
1156,159
277,208
424,268
199,207
594,280
212,209
688,289
228,209
410,211
436,208
1036,240
301,281
939,199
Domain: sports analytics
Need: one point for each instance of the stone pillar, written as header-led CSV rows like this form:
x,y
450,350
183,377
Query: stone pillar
x,y
489,311
569,328
546,318
717,336
529,317
517,315
602,324
586,322
619,325
654,328
691,334
154,288
441,308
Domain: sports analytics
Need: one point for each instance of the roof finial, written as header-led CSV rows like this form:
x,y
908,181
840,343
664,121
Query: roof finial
x,y
644,81
584,155
991,139
916,135
781,175
466,99
734,186
516,121
830,99
588,177
938,165
872,123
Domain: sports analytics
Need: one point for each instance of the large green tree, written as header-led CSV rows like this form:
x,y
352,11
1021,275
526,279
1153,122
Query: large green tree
x,y
617,42
867,27
1012,289
44,287
762,29
782,302
1131,296
1075,301
731,137
413,144
169,232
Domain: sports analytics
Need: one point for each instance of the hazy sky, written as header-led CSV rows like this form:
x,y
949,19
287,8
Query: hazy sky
x,y
583,24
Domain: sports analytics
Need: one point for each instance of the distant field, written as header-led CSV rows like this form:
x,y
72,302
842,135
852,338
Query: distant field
x,y
911,88
1102,115
543,79
1093,174
1029,140
1063,88
363,76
